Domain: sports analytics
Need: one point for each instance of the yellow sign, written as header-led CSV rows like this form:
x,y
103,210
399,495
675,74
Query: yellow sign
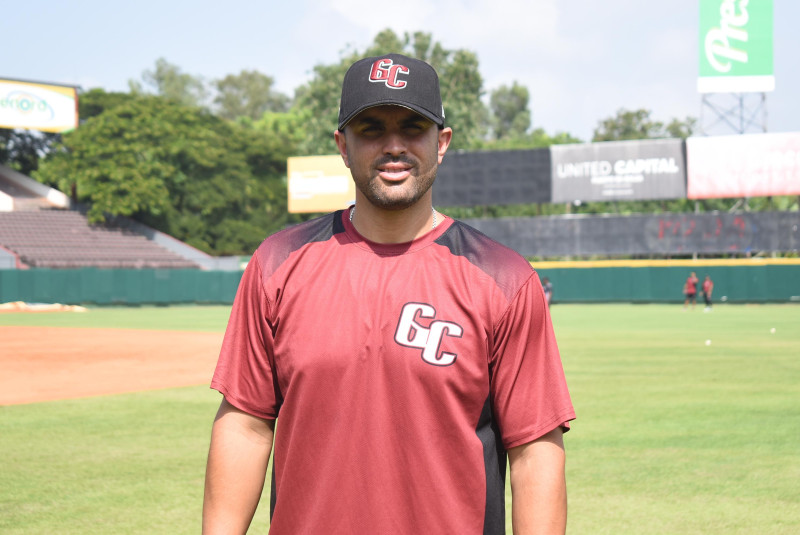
x,y
319,184
34,106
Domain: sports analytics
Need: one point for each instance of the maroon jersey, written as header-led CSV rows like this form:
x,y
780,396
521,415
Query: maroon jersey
x,y
691,285
398,374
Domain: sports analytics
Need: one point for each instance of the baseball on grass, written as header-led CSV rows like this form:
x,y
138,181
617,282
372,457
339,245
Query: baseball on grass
x,y
708,342
772,330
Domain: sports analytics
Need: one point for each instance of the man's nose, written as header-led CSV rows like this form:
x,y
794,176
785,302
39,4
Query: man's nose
x,y
394,143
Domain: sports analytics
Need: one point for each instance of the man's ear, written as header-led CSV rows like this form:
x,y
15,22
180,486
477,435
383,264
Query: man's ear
x,y
445,136
341,142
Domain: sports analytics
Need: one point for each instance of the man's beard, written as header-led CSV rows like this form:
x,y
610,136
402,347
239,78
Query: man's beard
x,y
415,187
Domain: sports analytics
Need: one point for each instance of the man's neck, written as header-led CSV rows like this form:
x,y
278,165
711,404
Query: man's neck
x,y
394,226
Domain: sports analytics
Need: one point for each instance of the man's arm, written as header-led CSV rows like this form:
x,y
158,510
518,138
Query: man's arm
x,y
237,465
538,486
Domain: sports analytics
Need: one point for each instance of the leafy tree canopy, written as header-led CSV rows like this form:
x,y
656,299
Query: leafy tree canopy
x,y
22,149
637,124
248,94
535,139
170,82
510,113
95,101
210,182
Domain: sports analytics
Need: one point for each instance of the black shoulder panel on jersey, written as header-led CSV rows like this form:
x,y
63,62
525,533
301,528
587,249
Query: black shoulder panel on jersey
x,y
276,248
507,267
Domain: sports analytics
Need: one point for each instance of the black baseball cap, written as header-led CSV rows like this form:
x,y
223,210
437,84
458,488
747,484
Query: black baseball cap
x,y
391,79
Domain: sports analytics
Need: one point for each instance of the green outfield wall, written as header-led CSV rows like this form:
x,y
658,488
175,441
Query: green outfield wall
x,y
735,281
118,286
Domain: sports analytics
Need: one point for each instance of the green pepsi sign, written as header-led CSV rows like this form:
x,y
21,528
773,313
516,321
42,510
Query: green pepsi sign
x,y
735,46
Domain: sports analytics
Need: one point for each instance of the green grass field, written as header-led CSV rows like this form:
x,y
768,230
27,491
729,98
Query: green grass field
x,y
673,436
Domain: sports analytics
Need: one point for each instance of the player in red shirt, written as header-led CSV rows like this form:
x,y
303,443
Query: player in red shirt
x,y
708,288
394,356
690,290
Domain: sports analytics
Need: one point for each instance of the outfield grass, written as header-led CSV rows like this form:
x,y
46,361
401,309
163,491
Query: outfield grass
x,y
673,436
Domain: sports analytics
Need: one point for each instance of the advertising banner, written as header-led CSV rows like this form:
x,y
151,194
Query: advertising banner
x,y
748,165
619,170
735,46
493,178
319,184
35,106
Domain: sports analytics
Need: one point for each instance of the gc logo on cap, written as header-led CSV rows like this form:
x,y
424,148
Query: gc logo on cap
x,y
384,70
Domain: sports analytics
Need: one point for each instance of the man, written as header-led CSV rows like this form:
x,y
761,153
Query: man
x,y
690,290
401,352
547,286
708,288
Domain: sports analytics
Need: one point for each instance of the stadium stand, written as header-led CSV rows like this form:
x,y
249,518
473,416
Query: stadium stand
x,y
41,233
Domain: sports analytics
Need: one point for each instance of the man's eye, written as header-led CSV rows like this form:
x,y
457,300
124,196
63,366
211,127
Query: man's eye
x,y
414,128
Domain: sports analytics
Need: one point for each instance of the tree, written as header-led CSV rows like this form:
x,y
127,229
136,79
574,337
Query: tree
x,y
248,94
317,103
213,183
637,124
510,114
535,139
168,81
22,149
681,129
628,125
286,130
462,89
95,101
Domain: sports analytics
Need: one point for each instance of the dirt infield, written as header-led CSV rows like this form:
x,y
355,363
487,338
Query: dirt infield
x,y
51,363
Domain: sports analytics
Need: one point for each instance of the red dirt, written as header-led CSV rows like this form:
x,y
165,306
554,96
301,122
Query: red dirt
x,y
51,363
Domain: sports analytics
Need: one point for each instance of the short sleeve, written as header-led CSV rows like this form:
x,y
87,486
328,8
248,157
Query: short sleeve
x,y
529,389
245,372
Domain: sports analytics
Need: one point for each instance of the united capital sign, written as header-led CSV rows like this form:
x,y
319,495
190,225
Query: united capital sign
x,y
735,46
619,171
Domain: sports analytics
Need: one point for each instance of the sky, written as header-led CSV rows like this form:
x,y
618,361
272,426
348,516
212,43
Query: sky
x,y
581,60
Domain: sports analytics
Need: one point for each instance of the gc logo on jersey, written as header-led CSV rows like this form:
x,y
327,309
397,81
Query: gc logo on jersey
x,y
385,71
410,333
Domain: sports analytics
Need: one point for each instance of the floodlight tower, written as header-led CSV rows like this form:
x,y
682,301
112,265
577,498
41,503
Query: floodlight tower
x,y
737,113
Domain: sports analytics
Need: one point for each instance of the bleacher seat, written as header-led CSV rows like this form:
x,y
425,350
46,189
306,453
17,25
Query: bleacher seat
x,y
58,238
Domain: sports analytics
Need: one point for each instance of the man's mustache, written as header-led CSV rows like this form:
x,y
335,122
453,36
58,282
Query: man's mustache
x,y
401,158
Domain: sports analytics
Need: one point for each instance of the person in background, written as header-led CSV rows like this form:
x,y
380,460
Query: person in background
x,y
547,286
708,287
690,290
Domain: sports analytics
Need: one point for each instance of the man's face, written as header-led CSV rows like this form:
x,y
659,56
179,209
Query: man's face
x,y
393,154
